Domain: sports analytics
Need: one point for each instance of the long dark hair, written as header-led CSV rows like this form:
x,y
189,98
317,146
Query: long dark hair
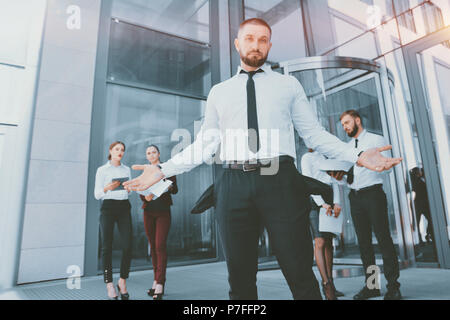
x,y
115,143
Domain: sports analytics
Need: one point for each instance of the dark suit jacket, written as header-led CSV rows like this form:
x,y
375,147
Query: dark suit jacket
x,y
305,185
163,203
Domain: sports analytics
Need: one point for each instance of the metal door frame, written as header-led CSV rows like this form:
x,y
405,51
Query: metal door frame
x,y
382,78
425,137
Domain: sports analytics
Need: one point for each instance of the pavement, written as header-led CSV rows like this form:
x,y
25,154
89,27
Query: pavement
x,y
210,282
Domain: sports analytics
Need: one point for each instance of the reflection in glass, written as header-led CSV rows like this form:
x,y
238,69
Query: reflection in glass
x,y
364,29
141,56
140,118
428,17
185,18
434,65
285,18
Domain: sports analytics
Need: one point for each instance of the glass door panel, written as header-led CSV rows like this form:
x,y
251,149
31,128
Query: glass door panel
x,y
331,92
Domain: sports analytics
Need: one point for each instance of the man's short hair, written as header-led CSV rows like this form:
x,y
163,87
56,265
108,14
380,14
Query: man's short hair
x,y
256,21
353,113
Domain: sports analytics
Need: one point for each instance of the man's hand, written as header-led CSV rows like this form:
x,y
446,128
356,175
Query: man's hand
x,y
373,159
337,210
338,175
151,175
149,197
328,208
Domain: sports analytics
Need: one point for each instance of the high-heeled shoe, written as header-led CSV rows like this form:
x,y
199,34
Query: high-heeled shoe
x,y
158,296
328,290
112,298
336,292
151,292
123,296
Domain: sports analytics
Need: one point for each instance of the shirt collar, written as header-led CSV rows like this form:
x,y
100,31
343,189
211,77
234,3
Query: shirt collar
x,y
363,133
265,67
108,164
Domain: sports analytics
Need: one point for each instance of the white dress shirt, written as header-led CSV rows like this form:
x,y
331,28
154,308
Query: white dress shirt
x,y
364,177
281,106
105,174
310,167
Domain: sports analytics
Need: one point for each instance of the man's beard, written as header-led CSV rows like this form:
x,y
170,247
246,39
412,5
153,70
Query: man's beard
x,y
354,131
254,62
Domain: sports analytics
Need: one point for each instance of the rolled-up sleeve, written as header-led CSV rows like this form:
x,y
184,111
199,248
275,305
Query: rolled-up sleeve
x,y
203,148
314,135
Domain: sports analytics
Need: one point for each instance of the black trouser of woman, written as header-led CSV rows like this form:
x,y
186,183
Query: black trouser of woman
x,y
115,211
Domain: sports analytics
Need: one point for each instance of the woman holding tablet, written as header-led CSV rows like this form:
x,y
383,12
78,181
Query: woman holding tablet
x,y
157,224
115,209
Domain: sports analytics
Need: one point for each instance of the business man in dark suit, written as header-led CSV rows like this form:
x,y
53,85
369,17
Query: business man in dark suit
x,y
240,115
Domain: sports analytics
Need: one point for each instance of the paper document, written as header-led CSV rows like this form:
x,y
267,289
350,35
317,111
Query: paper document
x,y
330,224
335,165
157,189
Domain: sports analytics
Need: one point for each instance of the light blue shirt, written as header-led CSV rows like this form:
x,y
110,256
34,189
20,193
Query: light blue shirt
x,y
282,106
364,177
105,174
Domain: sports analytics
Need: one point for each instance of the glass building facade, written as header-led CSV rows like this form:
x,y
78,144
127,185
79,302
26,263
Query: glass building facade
x,y
164,57
156,61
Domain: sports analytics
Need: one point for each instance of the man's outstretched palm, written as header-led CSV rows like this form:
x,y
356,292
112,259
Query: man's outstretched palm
x,y
373,159
151,175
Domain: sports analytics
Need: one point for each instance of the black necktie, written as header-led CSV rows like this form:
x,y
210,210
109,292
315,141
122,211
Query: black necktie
x,y
350,174
252,115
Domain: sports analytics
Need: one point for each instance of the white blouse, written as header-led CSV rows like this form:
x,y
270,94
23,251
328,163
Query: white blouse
x,y
105,174
309,165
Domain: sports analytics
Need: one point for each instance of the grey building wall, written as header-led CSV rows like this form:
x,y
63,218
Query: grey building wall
x,y
55,206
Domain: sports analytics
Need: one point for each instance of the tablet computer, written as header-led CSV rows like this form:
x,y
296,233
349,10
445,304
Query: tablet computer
x,y
122,180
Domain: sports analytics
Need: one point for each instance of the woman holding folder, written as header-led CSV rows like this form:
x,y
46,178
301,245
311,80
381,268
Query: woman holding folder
x,y
323,241
157,224
115,209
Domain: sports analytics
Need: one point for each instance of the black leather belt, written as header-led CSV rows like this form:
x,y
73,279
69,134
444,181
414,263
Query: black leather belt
x,y
253,165
374,187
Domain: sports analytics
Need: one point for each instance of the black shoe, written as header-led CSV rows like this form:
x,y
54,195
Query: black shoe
x,y
329,290
337,292
123,296
393,294
367,293
151,292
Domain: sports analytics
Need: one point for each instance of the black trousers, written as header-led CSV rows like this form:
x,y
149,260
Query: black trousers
x,y
370,213
112,212
245,201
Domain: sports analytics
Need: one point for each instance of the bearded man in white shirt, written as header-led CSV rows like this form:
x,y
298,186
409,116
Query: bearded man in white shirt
x,y
240,115
369,210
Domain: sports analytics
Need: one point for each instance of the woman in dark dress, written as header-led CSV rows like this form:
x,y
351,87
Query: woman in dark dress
x,y
157,224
